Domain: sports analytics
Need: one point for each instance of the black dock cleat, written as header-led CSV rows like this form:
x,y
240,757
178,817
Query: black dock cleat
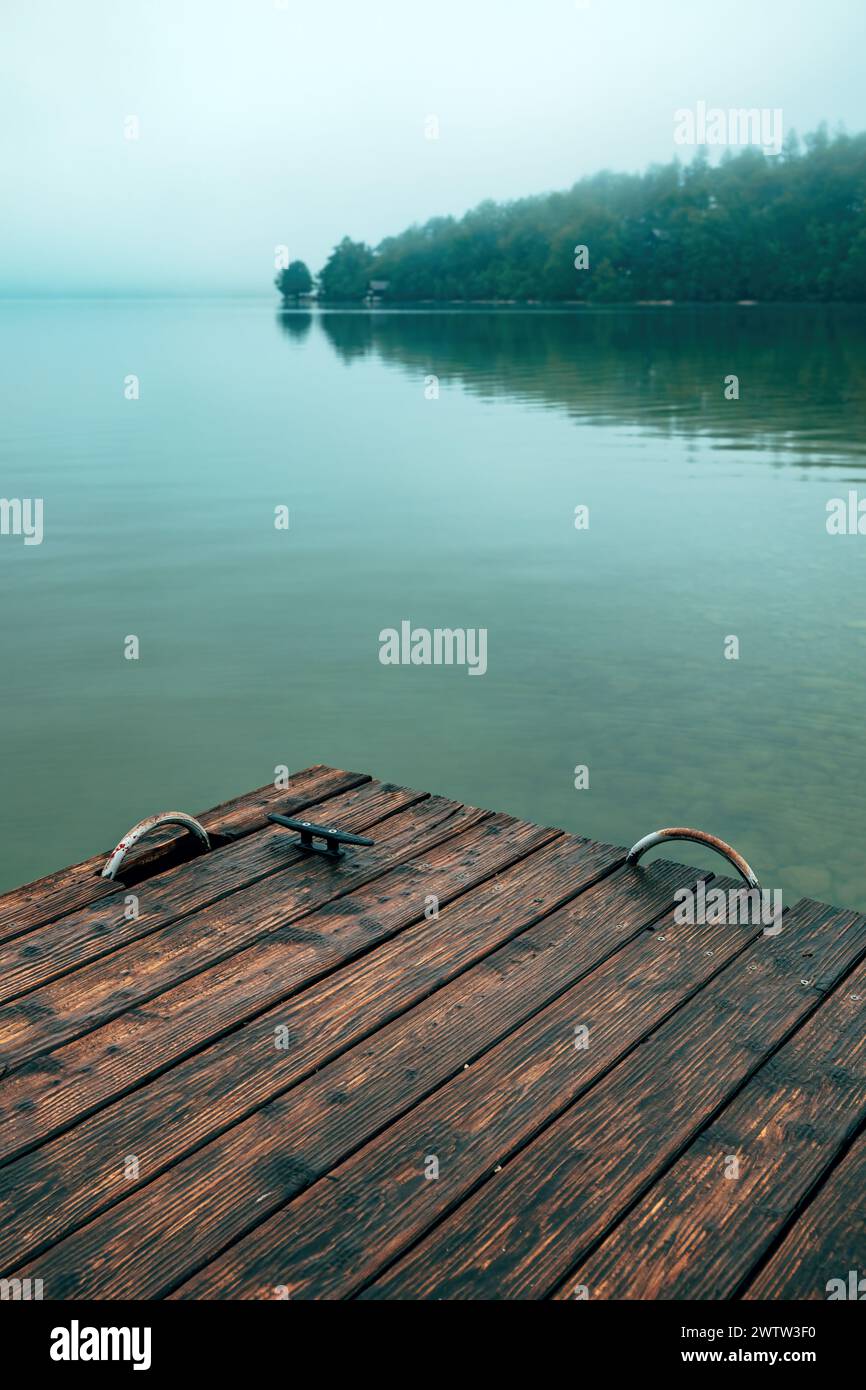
x,y
333,838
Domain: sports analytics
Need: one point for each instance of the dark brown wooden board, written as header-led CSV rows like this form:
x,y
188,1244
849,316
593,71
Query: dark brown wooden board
x,y
197,1004
192,940
336,1236
158,1236
96,931
587,1168
827,1243
708,1221
427,995
46,899
193,1101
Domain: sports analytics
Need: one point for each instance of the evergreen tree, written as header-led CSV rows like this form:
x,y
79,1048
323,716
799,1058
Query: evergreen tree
x,y
347,273
294,280
751,226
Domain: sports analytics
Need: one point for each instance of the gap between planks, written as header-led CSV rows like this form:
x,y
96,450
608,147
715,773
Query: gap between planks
x,y
53,896
520,871
324,1079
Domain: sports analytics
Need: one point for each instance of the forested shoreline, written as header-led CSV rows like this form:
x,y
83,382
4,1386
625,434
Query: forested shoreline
x,y
790,227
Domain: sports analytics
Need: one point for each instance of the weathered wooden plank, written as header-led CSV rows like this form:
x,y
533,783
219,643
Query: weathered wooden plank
x,y
827,1243
50,1093
703,1226
526,1080
74,1080
522,1232
50,952
46,899
193,1102
308,1166
149,1242
97,992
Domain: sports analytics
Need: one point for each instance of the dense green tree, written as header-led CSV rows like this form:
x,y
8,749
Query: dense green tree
x,y
294,280
790,227
346,275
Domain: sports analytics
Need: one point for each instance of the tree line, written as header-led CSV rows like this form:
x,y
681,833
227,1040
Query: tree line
x,y
753,226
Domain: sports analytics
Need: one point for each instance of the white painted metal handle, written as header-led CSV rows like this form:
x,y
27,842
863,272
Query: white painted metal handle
x,y
132,837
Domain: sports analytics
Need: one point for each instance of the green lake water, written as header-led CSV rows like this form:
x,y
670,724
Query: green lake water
x,y
260,647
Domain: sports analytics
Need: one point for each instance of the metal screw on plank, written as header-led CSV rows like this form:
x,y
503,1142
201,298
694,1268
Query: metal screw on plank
x,y
333,837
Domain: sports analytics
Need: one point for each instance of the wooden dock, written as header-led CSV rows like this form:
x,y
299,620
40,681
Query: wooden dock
x,y
475,1060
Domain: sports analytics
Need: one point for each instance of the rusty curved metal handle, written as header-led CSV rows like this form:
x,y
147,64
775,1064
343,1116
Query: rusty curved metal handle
x,y
132,837
700,837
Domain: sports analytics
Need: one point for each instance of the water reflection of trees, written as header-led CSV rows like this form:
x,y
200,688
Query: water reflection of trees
x,y
295,323
801,370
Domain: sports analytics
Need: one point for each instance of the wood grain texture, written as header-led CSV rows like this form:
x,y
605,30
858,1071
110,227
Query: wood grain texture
x,y
82,999
284,1044
46,899
194,1101
94,932
153,1240
42,1096
528,1226
340,1233
699,1231
827,1242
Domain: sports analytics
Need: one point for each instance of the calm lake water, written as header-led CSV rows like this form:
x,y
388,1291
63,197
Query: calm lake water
x,y
606,646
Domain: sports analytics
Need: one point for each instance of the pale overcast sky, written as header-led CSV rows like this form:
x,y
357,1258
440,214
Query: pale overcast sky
x,y
299,121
